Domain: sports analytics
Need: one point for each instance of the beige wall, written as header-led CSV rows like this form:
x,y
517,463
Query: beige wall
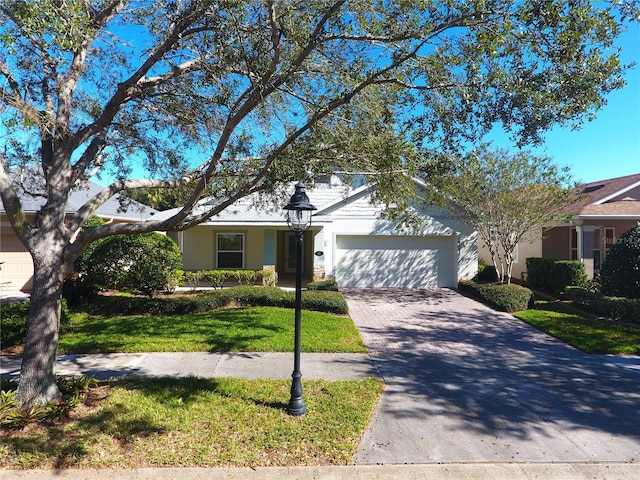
x,y
199,247
525,250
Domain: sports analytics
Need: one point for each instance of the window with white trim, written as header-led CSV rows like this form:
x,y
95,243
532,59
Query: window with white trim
x,y
573,247
230,250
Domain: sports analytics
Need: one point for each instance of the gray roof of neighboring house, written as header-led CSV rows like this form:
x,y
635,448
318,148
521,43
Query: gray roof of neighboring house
x,y
112,208
614,197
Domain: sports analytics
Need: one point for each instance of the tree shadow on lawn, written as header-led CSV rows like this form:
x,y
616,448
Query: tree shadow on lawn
x,y
116,426
235,330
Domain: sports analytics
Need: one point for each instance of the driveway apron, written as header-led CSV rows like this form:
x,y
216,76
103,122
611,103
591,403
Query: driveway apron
x,y
465,383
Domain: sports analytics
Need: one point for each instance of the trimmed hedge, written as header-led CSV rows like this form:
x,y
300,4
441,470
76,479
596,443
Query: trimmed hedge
x,y
330,285
217,278
487,273
323,301
554,276
13,322
616,308
506,297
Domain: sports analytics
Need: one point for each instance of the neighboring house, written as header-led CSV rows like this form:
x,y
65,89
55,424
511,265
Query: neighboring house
x,y
606,210
347,242
16,266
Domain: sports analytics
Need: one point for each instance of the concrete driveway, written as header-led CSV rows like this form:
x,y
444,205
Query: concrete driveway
x,y
468,384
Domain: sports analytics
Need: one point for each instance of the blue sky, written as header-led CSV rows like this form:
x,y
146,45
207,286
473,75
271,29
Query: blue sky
x,y
609,146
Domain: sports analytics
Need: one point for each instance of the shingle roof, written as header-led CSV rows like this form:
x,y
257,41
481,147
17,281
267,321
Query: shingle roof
x,y
612,197
112,208
247,211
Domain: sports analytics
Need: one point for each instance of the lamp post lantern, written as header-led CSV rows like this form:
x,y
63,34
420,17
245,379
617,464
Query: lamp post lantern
x,y
299,220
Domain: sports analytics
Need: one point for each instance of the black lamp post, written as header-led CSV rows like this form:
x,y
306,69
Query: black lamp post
x,y
299,220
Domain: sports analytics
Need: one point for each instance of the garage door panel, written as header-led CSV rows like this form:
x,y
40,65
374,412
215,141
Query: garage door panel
x,y
16,266
402,262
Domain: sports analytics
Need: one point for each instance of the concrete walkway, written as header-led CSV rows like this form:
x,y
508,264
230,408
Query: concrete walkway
x,y
341,366
471,394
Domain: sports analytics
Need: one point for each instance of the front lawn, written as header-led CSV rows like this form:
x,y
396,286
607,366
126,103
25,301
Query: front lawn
x,y
586,333
195,422
256,329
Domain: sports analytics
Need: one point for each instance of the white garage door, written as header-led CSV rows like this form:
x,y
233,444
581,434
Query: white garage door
x,y
16,267
393,261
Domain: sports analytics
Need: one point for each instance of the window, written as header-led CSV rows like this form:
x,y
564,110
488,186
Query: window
x,y
230,250
608,239
597,254
574,244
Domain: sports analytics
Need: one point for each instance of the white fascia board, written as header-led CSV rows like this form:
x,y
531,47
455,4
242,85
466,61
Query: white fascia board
x,y
317,221
344,200
608,217
618,193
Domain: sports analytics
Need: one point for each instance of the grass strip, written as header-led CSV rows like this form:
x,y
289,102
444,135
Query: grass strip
x,y
254,329
591,335
195,422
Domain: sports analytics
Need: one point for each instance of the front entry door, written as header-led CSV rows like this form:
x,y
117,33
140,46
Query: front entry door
x,y
290,253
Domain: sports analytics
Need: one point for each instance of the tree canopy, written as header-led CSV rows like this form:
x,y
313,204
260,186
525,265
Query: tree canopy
x,y
233,97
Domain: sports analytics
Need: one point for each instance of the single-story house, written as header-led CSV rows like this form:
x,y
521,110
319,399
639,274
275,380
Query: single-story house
x,y
16,266
347,241
606,209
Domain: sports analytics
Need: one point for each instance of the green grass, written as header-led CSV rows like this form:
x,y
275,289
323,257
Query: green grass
x,y
257,329
588,334
193,422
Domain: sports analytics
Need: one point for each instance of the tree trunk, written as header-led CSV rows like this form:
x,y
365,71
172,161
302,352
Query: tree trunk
x,y
38,372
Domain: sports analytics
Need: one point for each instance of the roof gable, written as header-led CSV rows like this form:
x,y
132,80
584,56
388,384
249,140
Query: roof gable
x,y
112,209
612,197
604,190
330,199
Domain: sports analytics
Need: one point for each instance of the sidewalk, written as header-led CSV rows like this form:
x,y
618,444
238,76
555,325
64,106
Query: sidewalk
x,y
452,471
338,366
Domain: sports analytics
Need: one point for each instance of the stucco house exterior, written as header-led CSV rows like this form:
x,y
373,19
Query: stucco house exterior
x,y
347,242
16,266
606,209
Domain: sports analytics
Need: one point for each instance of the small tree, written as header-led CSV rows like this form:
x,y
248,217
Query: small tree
x,y
620,272
508,198
144,263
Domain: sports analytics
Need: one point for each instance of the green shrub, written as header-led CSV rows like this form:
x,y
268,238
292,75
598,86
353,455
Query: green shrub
x,y
620,272
144,263
502,296
13,322
583,296
487,273
269,277
324,301
217,278
554,276
330,285
74,392
245,277
617,308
